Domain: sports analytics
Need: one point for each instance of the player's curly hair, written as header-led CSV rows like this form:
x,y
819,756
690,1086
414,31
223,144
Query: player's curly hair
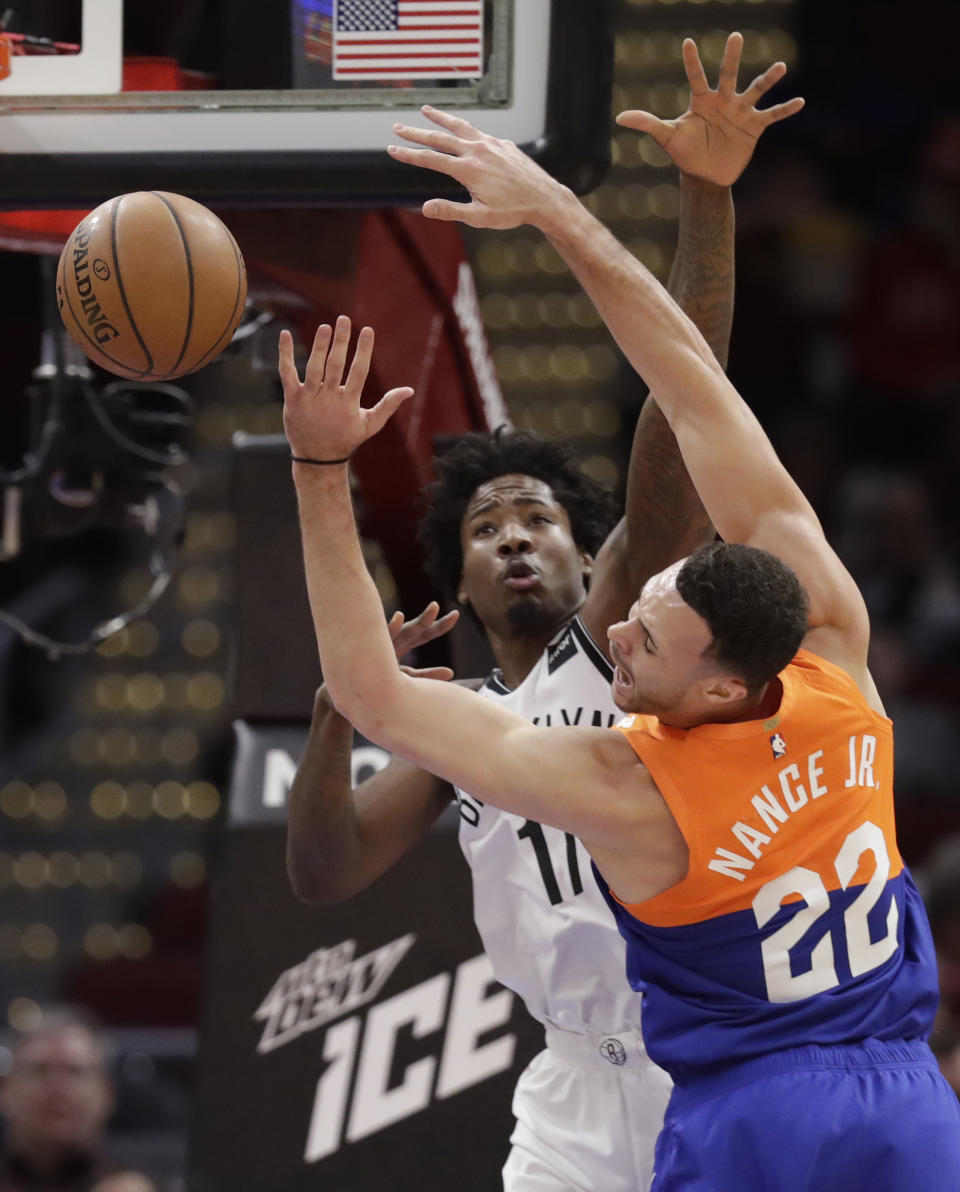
x,y
754,604
476,458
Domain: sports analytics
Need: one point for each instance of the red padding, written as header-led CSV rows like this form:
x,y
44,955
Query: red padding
x,y
46,231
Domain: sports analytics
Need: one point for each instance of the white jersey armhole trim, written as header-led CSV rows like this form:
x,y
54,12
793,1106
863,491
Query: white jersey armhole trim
x,y
588,647
592,649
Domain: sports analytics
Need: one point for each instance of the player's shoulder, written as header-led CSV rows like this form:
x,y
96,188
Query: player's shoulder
x,y
620,763
814,658
821,665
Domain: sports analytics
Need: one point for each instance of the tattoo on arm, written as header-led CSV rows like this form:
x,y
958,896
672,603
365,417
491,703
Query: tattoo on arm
x,y
665,517
702,276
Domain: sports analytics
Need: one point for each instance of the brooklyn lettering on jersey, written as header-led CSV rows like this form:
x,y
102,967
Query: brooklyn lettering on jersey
x,y
775,808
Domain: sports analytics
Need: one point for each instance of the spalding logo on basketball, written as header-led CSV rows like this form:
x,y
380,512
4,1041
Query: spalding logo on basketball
x,y
151,285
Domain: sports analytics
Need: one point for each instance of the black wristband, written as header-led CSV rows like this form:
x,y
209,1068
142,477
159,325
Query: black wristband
x,y
319,463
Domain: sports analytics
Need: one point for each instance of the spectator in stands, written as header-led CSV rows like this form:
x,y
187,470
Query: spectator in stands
x,y
55,1102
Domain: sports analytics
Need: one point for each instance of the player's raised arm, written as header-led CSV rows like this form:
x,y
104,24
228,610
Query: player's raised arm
x,y
711,143
744,487
453,733
341,838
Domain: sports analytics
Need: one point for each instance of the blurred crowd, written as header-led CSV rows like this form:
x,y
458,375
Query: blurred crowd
x,y
56,1098
850,355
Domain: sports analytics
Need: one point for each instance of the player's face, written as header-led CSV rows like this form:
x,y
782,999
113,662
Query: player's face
x,y
658,655
522,571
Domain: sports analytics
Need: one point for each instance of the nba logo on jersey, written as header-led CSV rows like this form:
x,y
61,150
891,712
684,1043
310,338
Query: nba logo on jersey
x,y
778,745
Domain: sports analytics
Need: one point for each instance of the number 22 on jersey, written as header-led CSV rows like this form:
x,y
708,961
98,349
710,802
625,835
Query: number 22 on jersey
x,y
863,954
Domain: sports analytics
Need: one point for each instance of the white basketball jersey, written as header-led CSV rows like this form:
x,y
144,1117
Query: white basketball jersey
x,y
549,935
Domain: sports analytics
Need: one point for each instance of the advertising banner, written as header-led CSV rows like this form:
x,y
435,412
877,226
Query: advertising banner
x,y
358,1046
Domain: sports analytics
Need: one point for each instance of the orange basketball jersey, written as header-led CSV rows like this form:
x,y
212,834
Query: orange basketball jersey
x,y
797,922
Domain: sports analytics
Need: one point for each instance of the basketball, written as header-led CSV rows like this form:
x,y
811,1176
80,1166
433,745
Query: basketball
x,y
151,285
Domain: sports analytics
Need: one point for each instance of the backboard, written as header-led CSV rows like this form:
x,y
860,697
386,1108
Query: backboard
x,y
304,100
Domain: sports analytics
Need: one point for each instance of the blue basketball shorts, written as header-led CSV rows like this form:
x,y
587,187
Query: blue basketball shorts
x,y
876,1117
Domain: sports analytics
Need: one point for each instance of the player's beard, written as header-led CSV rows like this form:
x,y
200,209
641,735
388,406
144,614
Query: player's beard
x,y
526,614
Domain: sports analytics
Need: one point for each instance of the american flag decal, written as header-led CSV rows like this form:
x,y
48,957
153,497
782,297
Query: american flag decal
x,y
407,39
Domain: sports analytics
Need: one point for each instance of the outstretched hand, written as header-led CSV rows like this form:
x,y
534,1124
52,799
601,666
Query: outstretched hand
x,y
507,188
322,415
408,635
715,137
